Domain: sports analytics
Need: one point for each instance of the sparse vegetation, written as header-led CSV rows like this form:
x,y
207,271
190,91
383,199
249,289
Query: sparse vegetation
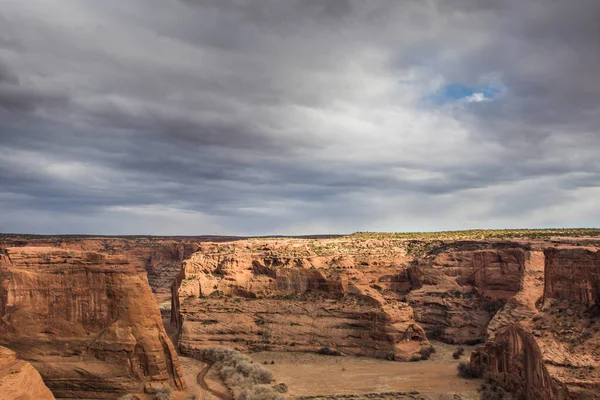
x,y
482,234
426,352
260,392
491,391
459,352
165,393
329,351
238,371
465,370
281,388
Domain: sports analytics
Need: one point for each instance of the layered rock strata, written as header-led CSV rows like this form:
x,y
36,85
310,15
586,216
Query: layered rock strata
x,y
259,297
551,349
456,294
87,321
160,257
366,297
19,380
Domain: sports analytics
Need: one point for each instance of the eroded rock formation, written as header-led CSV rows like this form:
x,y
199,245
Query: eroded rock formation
x,y
160,257
458,292
87,321
283,296
19,380
365,297
550,347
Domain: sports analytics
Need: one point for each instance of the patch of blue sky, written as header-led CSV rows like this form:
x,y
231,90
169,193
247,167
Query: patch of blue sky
x,y
455,92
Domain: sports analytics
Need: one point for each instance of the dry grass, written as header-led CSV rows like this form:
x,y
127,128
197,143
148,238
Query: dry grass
x,y
239,371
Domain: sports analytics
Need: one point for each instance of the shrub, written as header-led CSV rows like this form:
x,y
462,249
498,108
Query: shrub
x,y
466,371
281,388
329,352
426,352
128,397
494,392
459,352
260,392
165,393
261,375
235,368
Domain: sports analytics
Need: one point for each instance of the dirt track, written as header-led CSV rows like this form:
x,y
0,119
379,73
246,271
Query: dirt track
x,y
200,378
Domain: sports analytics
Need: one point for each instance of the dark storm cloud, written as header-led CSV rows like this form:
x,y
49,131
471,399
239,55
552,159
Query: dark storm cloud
x,y
297,116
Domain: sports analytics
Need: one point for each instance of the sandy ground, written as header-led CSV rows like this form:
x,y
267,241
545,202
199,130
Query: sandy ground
x,y
191,369
308,374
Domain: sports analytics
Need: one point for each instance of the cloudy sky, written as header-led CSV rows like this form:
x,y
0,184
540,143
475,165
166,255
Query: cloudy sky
x,y
298,116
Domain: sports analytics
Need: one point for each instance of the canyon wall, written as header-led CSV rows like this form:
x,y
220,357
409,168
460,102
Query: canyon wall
x,y
286,295
573,274
19,380
160,257
363,297
87,321
549,347
457,292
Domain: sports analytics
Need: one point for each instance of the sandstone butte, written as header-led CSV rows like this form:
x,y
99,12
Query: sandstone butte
x,y
86,321
532,304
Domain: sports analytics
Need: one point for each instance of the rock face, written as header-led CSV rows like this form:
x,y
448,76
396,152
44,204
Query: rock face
x,y
550,347
523,305
87,321
284,296
160,257
573,274
19,380
368,297
458,292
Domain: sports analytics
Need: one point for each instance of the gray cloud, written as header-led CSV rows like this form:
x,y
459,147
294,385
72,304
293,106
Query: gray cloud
x,y
238,117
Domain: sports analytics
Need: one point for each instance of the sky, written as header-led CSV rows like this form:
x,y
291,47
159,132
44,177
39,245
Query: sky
x,y
239,117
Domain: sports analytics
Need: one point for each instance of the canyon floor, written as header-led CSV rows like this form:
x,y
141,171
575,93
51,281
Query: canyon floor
x,y
309,374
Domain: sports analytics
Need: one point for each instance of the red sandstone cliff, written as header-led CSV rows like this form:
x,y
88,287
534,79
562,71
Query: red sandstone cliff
x,y
283,296
160,257
457,293
366,297
550,348
87,321
19,380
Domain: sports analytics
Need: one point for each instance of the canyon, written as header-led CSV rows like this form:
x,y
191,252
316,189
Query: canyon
x,y
84,311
